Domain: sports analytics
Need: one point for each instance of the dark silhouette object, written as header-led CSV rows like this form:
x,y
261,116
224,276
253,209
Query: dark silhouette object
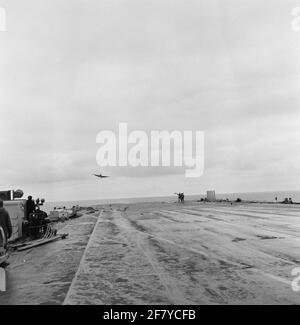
x,y
37,223
100,176
238,200
17,194
5,195
3,249
30,206
5,222
179,197
182,198
288,201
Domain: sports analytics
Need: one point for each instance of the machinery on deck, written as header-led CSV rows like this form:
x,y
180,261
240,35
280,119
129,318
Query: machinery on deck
x,y
24,224
29,223
37,222
36,225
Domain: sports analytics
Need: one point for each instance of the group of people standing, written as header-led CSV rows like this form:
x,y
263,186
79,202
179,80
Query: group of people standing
x,y
180,197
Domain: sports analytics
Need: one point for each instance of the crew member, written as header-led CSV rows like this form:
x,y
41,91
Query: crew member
x,y
5,222
30,206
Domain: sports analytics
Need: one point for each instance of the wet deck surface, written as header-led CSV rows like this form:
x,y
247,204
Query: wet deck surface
x,y
163,253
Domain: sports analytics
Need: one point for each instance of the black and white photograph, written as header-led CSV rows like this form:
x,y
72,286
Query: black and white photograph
x,y
149,154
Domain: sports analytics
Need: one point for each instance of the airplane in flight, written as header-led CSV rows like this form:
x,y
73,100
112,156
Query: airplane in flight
x,y
100,176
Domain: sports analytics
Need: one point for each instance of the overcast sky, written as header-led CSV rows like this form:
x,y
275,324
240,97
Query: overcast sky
x,y
71,68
